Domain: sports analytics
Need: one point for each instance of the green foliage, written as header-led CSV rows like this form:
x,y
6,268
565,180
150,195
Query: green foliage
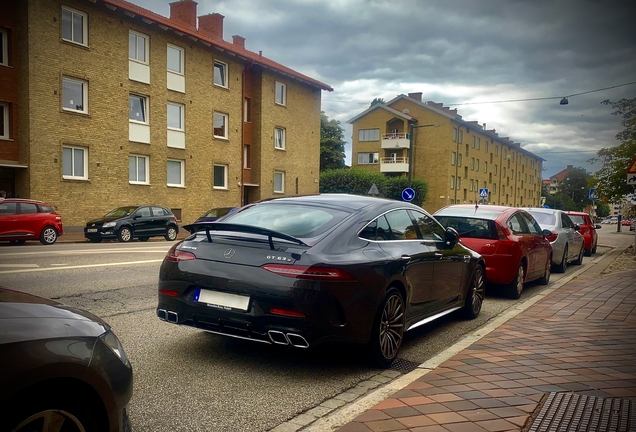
x,y
332,144
573,192
358,181
611,179
377,101
602,209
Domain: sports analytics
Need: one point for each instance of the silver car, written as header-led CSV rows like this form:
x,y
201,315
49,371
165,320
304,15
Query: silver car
x,y
567,243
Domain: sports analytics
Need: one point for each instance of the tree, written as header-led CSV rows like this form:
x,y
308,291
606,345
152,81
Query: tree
x,y
574,188
610,180
377,101
332,144
602,209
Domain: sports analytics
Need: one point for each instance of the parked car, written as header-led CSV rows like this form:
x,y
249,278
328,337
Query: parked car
x,y
302,271
626,223
126,223
588,230
63,369
509,239
24,219
567,243
215,214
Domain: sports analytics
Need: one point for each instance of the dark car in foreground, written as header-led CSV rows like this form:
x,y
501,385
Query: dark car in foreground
x,y
303,271
509,239
588,230
127,223
23,219
61,369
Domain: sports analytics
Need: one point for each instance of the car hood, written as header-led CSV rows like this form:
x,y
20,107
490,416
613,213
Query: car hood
x,y
27,317
102,220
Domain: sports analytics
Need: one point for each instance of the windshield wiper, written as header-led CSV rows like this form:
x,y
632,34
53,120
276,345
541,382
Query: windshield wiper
x,y
220,226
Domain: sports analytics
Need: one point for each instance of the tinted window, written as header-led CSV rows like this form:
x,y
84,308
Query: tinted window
x,y
377,230
158,211
28,208
533,226
579,219
544,218
218,212
8,208
429,228
402,226
566,221
143,212
470,227
515,223
46,209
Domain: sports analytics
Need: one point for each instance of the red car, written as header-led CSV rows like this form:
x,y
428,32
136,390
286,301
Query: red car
x,y
588,230
511,242
24,219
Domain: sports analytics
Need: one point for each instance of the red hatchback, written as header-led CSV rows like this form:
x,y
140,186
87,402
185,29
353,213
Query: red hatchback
x,y
509,239
23,219
588,230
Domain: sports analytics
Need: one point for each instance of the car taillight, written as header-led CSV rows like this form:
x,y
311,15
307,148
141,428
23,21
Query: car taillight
x,y
176,255
286,312
501,231
552,237
169,293
307,272
59,218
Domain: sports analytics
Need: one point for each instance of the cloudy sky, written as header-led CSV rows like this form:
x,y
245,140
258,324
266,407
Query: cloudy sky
x,y
463,53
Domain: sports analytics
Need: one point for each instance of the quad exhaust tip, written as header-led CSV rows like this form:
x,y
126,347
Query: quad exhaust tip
x,y
280,338
169,316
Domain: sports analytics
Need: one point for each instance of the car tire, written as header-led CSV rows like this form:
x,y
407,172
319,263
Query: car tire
x,y
125,234
564,262
579,259
95,239
588,252
475,294
593,251
545,279
143,238
171,233
387,332
514,289
48,236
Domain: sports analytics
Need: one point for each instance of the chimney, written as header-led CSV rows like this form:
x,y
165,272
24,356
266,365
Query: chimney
x,y
239,41
211,25
570,166
184,12
416,96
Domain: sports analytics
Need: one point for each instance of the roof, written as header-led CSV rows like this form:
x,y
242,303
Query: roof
x,y
150,18
561,174
380,105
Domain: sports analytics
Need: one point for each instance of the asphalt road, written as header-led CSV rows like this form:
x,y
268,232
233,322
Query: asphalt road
x,y
189,380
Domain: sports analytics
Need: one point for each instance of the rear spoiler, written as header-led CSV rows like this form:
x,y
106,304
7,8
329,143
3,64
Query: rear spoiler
x,y
221,226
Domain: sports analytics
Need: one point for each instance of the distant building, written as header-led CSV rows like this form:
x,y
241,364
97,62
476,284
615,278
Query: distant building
x,y
557,179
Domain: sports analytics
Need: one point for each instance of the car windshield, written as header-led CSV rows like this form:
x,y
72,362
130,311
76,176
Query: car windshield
x,y
544,218
121,211
217,212
577,219
292,219
470,227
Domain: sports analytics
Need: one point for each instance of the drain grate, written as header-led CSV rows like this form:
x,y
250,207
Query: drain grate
x,y
402,365
571,412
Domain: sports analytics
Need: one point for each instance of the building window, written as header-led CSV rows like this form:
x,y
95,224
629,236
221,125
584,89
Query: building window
x,y
474,141
279,182
220,125
138,47
503,172
247,110
175,59
281,93
458,184
453,156
369,135
74,26
176,173
494,188
472,184
461,136
220,176
485,166
452,183
505,153
279,138
75,163
459,159
247,163
467,149
368,158
454,134
478,143
220,73
496,150
138,108
138,169
477,165
495,170
486,146
4,121
4,47
472,163
75,95
175,116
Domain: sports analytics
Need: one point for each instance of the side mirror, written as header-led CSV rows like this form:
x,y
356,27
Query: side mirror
x,y
452,236
136,216
598,226
577,227
546,232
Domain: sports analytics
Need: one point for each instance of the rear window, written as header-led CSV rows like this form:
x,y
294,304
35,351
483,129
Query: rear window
x,y
46,209
580,220
470,227
294,220
544,218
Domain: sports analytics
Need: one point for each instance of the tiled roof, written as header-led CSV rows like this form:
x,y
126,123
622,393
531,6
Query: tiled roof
x,y
561,174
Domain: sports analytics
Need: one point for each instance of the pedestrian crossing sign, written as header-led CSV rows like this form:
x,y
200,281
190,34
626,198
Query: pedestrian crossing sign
x,y
483,193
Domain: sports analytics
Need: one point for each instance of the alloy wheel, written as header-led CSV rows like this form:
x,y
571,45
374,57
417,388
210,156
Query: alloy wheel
x,y
171,234
125,234
520,279
49,236
51,421
478,292
392,326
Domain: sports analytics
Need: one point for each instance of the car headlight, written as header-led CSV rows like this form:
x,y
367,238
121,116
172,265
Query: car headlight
x,y
109,224
111,341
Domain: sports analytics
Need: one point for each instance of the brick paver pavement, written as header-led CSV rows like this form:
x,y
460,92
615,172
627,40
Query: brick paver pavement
x,y
580,339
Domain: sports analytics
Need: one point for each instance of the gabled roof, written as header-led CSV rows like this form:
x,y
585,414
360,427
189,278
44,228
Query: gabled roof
x,y
561,174
384,107
150,18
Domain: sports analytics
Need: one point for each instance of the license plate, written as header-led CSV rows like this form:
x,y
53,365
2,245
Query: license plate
x,y
91,230
222,300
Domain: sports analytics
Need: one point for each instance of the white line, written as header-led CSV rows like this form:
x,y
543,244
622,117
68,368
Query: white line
x,y
80,266
90,251
19,265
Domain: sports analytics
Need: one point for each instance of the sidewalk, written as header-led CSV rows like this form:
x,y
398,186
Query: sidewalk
x,y
567,361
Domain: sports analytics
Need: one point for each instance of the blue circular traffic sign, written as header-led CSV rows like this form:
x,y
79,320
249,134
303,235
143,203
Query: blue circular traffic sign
x,y
408,194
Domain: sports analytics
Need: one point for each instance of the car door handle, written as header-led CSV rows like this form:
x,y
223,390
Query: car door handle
x,y
405,258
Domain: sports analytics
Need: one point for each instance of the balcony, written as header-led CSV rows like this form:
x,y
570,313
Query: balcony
x,y
395,141
398,164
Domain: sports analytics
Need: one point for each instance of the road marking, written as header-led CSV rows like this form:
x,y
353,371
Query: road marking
x,y
59,264
91,251
80,266
19,265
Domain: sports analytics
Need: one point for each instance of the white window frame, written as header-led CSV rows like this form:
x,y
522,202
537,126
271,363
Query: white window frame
x,y
84,162
282,176
4,59
182,180
146,43
181,115
279,144
365,155
453,156
181,59
225,125
225,176
145,108
459,159
147,166
366,135
283,93
84,105
452,182
84,26
6,134
224,73
458,182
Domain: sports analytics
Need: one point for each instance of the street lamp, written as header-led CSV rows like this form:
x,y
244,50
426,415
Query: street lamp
x,y
412,127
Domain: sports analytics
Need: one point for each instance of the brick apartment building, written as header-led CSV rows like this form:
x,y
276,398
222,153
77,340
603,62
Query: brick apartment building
x,y
455,158
104,103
